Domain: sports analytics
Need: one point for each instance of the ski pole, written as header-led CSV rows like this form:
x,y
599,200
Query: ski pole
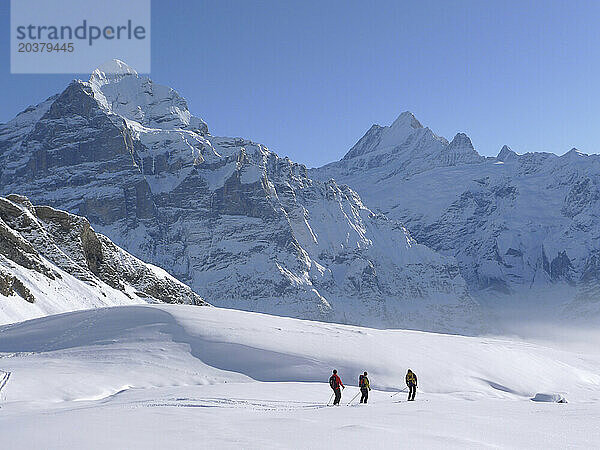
x,y
393,395
353,398
330,398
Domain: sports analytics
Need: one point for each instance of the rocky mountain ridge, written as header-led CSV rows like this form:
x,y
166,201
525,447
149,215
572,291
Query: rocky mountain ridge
x,y
241,226
52,261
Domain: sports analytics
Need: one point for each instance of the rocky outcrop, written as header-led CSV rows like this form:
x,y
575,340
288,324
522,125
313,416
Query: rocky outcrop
x,y
11,285
50,257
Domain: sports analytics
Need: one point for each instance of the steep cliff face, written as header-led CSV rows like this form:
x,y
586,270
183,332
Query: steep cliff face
x,y
523,228
240,225
52,261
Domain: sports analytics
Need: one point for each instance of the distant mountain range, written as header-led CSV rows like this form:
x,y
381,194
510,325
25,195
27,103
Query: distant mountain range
x,y
446,239
523,228
241,226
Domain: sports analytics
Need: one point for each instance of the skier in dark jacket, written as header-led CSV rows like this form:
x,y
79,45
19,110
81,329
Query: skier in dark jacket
x,y
411,382
335,382
365,387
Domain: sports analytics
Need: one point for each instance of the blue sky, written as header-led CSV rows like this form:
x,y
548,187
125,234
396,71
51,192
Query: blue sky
x,y
308,78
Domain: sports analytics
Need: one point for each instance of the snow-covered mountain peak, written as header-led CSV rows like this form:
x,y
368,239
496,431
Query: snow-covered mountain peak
x,y
383,139
461,141
405,146
574,154
112,70
406,120
119,89
116,67
506,154
460,150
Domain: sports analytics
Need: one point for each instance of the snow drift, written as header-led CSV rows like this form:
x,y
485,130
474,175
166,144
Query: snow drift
x,y
239,345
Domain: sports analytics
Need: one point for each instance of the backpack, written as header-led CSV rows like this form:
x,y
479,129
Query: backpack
x,y
333,382
361,380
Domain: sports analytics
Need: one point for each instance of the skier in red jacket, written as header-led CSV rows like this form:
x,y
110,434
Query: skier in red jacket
x,y
335,382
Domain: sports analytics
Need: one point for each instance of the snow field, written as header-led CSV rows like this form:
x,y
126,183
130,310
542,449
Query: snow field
x,y
187,377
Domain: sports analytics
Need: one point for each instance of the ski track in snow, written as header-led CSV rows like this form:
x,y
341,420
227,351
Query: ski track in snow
x,y
253,404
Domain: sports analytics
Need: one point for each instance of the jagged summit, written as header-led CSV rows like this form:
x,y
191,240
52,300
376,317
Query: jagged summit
x,y
406,120
379,137
574,153
459,151
111,70
119,89
461,140
115,67
405,144
506,154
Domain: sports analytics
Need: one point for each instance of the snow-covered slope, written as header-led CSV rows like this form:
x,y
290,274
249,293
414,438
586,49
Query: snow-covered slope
x,y
179,376
240,225
524,228
52,261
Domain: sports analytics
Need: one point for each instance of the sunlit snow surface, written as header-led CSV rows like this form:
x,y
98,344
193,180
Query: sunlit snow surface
x,y
188,377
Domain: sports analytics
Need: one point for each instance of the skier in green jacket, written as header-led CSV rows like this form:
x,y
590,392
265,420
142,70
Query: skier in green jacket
x,y
365,387
411,382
